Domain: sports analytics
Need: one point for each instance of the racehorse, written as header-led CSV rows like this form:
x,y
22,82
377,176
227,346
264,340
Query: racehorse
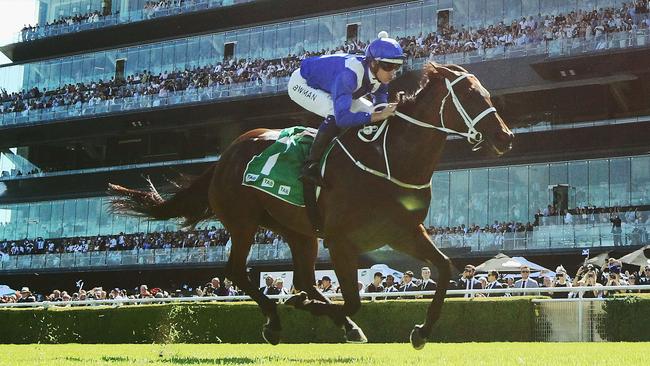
x,y
377,192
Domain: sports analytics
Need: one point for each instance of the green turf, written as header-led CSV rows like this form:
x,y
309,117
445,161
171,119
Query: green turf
x,y
474,354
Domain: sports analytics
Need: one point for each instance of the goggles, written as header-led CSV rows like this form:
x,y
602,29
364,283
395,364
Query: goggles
x,y
389,66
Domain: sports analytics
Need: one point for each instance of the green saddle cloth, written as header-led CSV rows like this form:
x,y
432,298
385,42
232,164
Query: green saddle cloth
x,y
277,169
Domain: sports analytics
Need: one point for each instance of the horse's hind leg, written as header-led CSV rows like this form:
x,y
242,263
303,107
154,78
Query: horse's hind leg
x,y
242,237
418,245
304,251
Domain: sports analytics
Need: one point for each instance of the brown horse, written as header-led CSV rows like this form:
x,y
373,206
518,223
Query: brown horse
x,y
378,192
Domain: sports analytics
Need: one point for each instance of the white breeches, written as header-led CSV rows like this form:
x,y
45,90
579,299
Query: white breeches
x,y
319,101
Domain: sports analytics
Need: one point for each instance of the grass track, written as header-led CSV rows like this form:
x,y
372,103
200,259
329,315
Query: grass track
x,y
475,354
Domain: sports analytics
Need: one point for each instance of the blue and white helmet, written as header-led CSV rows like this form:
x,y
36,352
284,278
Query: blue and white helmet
x,y
385,49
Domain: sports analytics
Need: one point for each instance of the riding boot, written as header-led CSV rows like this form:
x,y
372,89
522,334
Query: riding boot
x,y
311,169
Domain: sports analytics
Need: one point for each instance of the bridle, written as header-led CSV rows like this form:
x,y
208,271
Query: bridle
x,y
472,135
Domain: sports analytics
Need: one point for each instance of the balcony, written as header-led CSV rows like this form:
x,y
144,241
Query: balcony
x,y
556,48
146,257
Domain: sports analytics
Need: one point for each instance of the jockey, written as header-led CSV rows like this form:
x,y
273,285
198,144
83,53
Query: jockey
x,y
333,86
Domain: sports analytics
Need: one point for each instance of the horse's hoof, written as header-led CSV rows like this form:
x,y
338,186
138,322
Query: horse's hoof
x,y
355,335
417,340
297,300
270,335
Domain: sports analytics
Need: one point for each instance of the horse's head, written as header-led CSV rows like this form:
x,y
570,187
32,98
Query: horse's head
x,y
466,108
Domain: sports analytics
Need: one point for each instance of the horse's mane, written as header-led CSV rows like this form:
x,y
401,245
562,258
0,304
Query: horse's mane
x,y
406,83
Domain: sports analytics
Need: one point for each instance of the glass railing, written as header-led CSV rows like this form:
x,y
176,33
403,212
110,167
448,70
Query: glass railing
x,y
549,237
120,18
560,47
554,48
11,175
215,254
85,110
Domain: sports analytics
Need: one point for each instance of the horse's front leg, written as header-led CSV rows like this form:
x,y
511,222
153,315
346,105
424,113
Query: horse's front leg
x,y
417,244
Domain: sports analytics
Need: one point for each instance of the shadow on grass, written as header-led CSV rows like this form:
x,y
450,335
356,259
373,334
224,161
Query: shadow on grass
x,y
114,359
175,360
249,360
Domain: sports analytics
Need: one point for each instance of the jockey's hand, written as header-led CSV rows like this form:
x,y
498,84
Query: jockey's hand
x,y
388,111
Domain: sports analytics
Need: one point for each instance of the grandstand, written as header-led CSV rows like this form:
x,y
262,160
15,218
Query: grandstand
x,y
118,90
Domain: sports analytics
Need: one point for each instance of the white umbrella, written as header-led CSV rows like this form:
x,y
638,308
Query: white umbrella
x,y
6,290
503,263
637,257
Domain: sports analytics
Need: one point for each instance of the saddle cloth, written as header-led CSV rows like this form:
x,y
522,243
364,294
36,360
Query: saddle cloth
x,y
276,169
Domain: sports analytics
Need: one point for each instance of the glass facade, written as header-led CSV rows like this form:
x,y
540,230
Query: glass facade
x,y
276,40
470,196
106,13
515,193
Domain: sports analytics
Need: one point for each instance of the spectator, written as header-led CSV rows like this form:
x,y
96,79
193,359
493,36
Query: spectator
x,y
616,229
407,283
493,283
590,281
467,280
26,296
326,285
279,285
144,292
375,285
644,279
269,288
561,281
389,285
427,284
525,281
547,282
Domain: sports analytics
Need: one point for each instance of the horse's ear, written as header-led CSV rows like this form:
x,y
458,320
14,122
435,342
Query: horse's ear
x,y
435,70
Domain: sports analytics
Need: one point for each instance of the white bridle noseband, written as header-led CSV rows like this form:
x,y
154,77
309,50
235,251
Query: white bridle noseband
x,y
472,135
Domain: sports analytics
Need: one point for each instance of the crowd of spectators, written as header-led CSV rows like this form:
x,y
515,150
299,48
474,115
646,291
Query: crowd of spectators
x,y
590,215
611,273
534,29
150,9
212,236
206,237
586,215
30,32
145,83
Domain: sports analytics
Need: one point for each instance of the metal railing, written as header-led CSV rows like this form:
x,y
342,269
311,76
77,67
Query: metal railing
x,y
214,254
560,47
142,102
548,237
373,296
544,237
207,159
133,16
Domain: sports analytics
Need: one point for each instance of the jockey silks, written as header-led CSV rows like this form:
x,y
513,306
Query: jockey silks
x,y
345,78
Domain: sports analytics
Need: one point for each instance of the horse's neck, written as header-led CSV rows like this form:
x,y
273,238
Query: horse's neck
x,y
413,151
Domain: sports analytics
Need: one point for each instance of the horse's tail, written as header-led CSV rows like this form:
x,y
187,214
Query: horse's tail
x,y
189,202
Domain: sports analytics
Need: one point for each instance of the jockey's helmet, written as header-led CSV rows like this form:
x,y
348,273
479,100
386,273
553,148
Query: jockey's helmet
x,y
385,49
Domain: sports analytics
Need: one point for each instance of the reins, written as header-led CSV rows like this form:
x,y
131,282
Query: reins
x,y
472,135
